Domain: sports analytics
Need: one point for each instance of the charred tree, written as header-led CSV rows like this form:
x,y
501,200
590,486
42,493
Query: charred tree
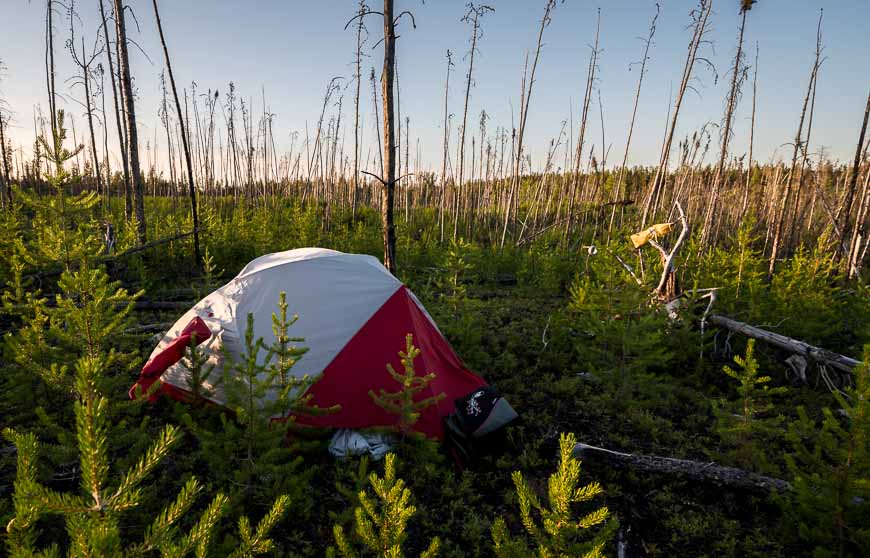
x,y
472,17
738,75
190,184
126,84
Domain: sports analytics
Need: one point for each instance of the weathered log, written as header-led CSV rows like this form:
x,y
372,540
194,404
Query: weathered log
x,y
708,472
817,354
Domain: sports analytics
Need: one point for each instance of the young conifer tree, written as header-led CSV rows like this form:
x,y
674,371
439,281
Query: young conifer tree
x,y
250,452
554,530
61,220
92,516
402,402
831,468
745,425
199,371
381,522
91,311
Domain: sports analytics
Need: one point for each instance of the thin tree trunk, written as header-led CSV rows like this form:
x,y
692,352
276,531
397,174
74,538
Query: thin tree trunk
x,y
617,197
121,137
52,96
700,28
6,184
779,216
736,81
473,16
853,179
524,112
745,202
356,146
446,153
85,64
389,168
190,185
581,140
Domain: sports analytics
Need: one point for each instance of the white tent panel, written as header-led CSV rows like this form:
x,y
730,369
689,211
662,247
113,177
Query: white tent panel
x,y
334,295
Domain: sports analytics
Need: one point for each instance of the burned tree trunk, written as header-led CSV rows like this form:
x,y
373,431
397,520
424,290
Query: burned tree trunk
x,y
780,215
817,354
853,182
446,153
122,140
49,65
524,113
389,170
190,184
473,17
126,85
700,16
6,191
738,73
708,472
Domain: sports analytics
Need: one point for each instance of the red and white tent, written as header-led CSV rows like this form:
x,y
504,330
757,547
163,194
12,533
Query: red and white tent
x,y
354,316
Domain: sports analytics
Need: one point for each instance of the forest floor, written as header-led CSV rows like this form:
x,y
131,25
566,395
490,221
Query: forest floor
x,y
569,338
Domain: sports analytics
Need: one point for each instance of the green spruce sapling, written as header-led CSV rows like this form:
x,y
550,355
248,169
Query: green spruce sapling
x,y
402,402
381,522
744,424
831,469
199,372
553,528
93,515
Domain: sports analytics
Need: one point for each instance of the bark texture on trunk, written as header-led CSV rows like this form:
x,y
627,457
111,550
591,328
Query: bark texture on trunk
x,y
817,354
126,84
704,471
389,173
190,184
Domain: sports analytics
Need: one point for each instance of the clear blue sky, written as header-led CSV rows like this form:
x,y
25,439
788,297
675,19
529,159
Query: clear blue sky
x,y
292,48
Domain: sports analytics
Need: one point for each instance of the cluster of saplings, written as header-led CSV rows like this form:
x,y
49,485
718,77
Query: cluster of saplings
x,y
95,474
67,355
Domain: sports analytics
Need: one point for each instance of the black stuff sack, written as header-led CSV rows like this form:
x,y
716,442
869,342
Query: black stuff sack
x,y
476,427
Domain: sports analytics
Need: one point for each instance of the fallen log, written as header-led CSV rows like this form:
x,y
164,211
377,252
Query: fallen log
x,y
817,354
152,244
111,259
149,328
708,472
162,305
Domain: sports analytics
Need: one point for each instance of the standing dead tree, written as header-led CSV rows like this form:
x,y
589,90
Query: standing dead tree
x,y
581,139
5,175
126,84
446,146
472,16
745,201
700,17
849,194
360,39
738,75
190,184
84,61
526,97
799,146
122,138
388,178
49,64
617,190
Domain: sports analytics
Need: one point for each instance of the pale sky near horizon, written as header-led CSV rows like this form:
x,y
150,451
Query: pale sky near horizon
x,y
291,49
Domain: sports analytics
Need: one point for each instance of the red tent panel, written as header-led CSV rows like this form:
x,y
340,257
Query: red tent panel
x,y
173,352
361,367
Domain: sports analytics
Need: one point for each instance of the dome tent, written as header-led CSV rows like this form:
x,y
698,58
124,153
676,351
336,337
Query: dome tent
x,y
353,315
